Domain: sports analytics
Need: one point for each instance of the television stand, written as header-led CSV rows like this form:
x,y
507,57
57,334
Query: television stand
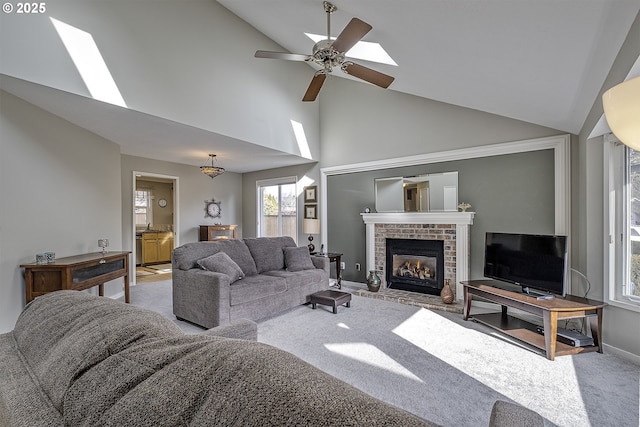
x,y
551,310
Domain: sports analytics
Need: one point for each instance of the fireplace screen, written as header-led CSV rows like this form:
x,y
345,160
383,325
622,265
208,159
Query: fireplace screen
x,y
415,265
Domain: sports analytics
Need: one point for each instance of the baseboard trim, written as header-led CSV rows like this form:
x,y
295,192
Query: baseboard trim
x,y
117,295
633,358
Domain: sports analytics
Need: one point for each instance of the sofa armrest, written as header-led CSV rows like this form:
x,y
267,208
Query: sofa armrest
x,y
243,329
201,297
321,262
506,414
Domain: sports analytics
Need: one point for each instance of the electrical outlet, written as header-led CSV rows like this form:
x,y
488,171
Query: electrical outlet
x,y
342,265
357,266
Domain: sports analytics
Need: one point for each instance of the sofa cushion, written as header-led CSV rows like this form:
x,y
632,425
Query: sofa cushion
x,y
296,279
267,251
297,259
222,263
253,288
186,256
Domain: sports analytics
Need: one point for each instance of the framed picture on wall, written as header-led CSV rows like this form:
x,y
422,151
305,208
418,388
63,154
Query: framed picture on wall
x,y
310,212
311,194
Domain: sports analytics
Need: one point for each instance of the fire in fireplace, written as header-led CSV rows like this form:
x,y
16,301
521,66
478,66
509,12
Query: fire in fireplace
x,y
415,265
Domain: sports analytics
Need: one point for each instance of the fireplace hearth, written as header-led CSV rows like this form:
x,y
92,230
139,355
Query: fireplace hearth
x,y
415,265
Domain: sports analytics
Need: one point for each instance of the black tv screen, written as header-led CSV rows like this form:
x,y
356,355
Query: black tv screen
x,y
531,261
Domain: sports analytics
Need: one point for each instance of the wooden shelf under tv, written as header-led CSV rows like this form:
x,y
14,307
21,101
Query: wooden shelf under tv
x,y
551,310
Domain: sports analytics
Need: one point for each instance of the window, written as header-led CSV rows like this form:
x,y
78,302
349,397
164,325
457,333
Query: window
x,y
277,208
623,219
143,214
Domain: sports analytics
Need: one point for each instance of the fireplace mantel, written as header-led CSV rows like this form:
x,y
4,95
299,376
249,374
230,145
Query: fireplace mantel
x,y
461,220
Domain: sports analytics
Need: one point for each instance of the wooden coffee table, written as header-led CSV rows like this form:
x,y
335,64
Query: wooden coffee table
x,y
331,298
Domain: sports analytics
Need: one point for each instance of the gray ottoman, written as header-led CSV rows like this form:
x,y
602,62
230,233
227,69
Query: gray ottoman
x,y
331,298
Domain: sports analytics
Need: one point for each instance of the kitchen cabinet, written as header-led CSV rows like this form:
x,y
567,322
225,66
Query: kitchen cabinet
x,y
156,246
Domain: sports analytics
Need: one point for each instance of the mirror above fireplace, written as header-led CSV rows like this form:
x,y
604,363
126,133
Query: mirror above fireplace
x,y
436,192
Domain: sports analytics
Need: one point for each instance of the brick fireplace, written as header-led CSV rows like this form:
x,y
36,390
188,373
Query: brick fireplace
x,y
452,228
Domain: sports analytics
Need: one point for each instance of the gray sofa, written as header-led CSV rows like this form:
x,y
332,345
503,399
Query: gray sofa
x,y
80,360
215,283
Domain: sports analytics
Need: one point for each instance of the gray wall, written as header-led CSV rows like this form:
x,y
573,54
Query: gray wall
x,y
60,192
509,193
360,123
162,217
193,189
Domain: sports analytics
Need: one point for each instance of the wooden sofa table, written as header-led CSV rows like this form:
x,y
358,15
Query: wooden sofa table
x,y
550,310
77,272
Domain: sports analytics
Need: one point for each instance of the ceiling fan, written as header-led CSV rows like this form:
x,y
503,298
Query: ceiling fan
x,y
331,53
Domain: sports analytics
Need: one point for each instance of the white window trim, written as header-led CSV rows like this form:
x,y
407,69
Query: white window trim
x,y
266,183
149,207
615,258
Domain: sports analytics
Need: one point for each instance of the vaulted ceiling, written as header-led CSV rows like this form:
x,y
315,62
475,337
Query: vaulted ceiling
x,y
539,61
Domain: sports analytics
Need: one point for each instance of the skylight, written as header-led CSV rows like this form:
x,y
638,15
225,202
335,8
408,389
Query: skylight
x,y
89,62
301,138
368,51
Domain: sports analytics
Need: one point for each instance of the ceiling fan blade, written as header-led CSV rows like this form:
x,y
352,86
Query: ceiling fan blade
x,y
281,55
367,74
352,33
314,87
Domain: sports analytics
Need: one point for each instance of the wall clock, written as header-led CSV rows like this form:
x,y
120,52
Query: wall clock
x,y
212,209
162,203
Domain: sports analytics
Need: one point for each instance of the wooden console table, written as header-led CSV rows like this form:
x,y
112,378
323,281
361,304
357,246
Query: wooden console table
x,y
551,310
78,272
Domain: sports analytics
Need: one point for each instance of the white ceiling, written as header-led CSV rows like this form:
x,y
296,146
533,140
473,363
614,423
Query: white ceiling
x,y
540,61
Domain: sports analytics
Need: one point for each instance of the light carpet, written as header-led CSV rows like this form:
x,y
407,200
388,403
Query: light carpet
x,y
439,367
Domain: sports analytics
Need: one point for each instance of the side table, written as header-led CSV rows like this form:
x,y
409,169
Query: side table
x,y
337,258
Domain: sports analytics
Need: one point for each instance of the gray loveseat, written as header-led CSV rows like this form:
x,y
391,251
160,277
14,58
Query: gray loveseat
x,y
215,283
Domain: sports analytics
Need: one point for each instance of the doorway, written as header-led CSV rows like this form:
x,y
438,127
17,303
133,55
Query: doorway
x,y
154,225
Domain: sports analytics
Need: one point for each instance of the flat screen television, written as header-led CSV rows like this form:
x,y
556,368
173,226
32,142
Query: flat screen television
x,y
534,262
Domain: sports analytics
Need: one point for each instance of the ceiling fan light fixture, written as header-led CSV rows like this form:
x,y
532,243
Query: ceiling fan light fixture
x,y
212,170
621,106
330,53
